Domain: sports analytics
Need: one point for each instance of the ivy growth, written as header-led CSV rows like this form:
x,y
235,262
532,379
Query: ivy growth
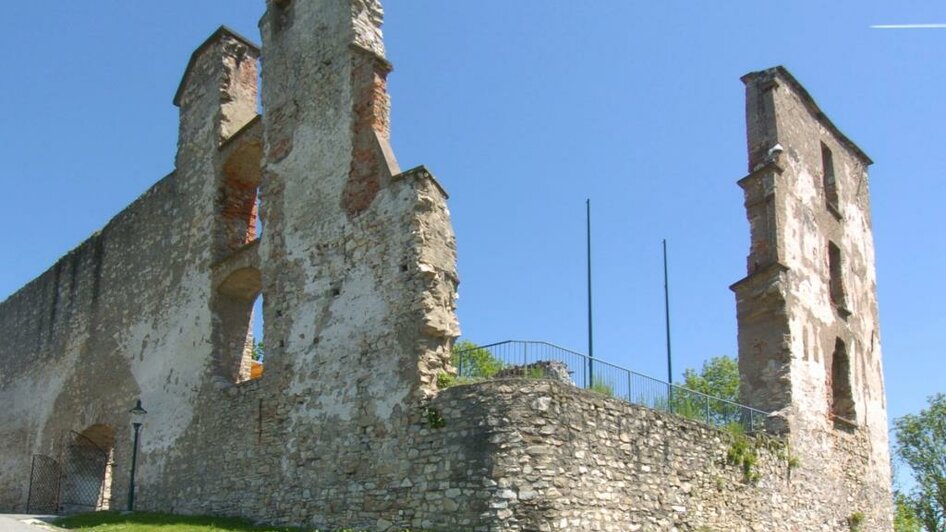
x,y
794,462
855,521
434,418
742,453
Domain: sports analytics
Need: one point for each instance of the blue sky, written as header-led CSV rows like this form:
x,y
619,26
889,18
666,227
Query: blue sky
x,y
523,110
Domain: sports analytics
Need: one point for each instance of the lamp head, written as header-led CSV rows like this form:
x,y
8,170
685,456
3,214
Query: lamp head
x,y
137,413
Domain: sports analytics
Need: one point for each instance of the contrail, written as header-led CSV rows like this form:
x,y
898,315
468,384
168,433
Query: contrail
x,y
908,26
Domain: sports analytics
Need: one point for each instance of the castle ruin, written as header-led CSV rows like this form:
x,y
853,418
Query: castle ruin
x,y
356,267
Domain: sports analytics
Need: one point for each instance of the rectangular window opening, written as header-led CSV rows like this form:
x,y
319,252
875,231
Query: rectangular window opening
x,y
828,180
836,282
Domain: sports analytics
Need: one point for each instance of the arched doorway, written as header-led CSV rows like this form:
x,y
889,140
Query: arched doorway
x,y
237,306
86,483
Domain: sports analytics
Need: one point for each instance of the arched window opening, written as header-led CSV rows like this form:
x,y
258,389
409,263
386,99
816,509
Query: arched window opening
x,y
257,215
842,397
238,198
258,349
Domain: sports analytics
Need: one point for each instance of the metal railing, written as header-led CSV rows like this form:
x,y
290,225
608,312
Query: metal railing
x,y
517,358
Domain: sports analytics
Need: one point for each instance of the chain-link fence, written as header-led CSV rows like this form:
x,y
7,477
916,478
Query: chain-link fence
x,y
43,493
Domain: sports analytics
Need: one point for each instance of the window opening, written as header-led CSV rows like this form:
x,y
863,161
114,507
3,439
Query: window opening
x,y
257,218
258,349
836,278
237,202
842,398
237,318
828,178
259,83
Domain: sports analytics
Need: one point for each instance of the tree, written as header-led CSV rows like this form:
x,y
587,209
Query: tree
x,y
904,516
259,351
474,362
921,444
718,379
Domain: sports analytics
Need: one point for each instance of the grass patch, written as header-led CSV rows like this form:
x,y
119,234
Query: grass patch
x,y
603,386
144,522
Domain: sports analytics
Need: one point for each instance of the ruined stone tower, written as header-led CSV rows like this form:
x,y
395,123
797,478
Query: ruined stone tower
x,y
809,339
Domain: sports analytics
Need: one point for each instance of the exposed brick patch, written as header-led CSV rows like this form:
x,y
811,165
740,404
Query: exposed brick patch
x,y
370,118
238,212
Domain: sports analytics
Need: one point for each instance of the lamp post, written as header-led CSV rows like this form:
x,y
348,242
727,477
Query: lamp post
x,y
137,416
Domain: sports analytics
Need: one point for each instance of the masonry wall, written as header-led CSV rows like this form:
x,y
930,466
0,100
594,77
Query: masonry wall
x,y
126,314
509,454
357,271
90,334
790,312
519,454
319,454
358,280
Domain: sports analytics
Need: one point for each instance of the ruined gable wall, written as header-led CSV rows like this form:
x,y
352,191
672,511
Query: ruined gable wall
x,y
362,262
358,263
359,275
789,321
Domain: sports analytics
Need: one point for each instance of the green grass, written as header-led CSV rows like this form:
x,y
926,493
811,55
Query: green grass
x,y
142,522
603,386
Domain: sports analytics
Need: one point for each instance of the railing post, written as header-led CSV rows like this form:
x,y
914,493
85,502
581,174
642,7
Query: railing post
x,y
629,387
525,356
706,409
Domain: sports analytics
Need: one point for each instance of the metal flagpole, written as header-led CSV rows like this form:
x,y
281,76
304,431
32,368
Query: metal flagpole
x,y
667,321
591,349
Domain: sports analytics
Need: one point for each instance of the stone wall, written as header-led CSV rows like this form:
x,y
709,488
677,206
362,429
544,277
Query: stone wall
x,y
89,335
508,454
357,272
520,454
809,336
126,314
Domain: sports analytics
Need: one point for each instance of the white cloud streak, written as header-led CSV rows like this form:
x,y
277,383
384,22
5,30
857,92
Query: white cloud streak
x,y
908,26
